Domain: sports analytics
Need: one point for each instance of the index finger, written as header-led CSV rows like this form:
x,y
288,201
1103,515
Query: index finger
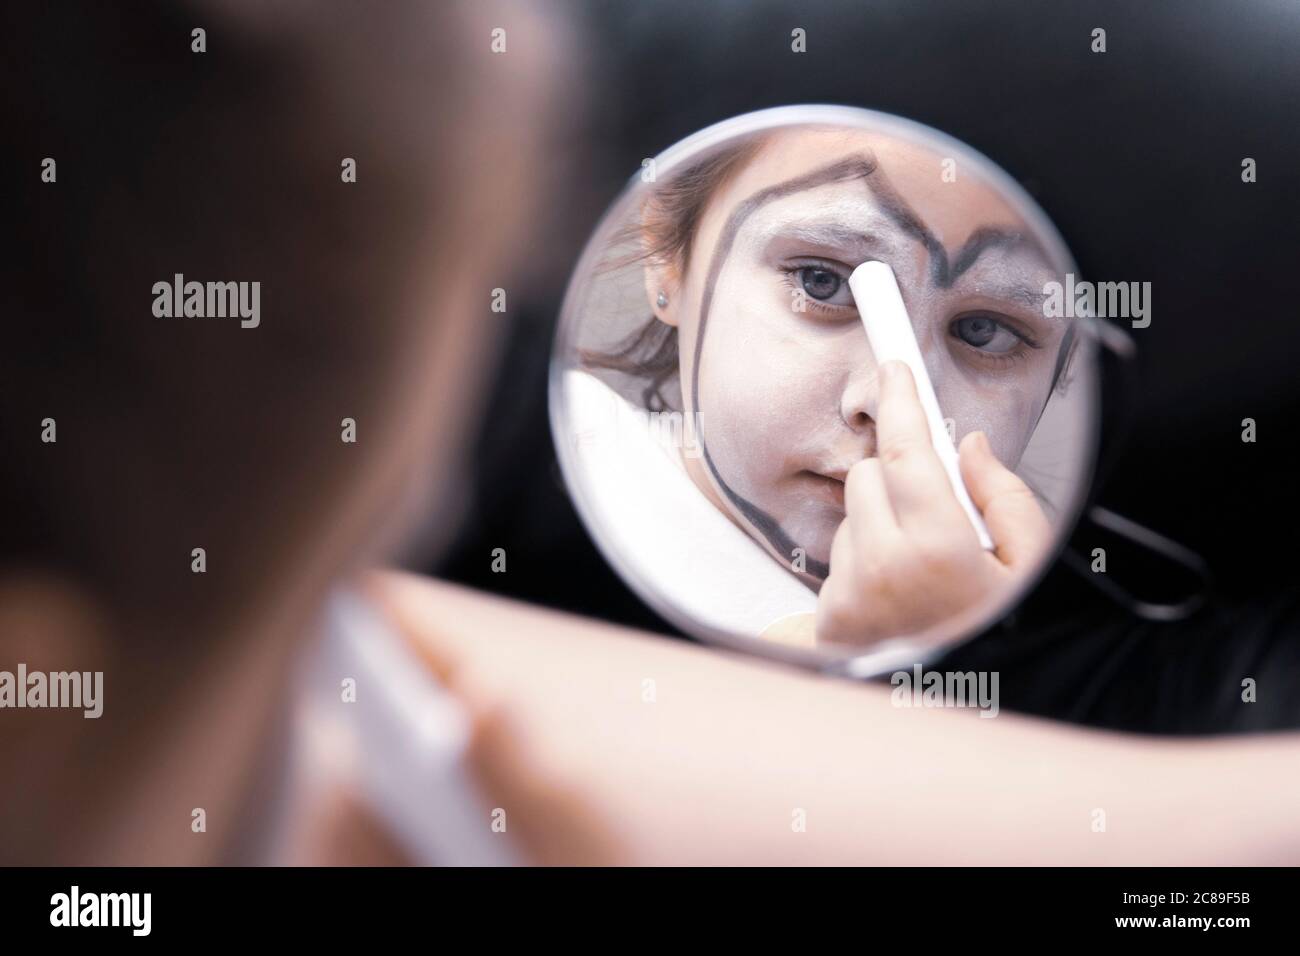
x,y
917,481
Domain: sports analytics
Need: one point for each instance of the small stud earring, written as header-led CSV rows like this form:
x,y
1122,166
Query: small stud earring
x,y
662,300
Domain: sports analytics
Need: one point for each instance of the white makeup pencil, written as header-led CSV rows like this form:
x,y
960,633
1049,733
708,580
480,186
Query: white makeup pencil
x,y
406,738
889,330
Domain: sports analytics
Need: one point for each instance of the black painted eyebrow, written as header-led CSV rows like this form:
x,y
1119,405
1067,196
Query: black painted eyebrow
x,y
943,272
989,237
851,167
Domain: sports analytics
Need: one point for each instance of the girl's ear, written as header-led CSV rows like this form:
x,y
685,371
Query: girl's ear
x,y
662,284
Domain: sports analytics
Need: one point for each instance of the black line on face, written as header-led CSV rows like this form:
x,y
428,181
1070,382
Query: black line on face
x,y
944,273
854,167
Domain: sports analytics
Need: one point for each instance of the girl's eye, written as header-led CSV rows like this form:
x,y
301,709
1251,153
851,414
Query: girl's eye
x,y
824,285
986,333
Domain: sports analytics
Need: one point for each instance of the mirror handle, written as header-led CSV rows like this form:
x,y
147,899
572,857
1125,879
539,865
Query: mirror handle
x,y
1152,541
1120,344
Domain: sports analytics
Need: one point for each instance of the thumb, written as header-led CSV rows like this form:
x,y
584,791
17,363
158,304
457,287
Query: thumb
x,y
1014,518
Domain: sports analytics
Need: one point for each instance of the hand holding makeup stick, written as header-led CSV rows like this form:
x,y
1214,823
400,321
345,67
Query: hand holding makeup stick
x,y
906,558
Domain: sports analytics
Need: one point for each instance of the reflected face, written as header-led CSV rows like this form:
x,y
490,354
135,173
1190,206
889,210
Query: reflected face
x,y
774,358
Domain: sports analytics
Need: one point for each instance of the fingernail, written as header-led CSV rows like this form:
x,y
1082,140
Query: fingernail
x,y
889,370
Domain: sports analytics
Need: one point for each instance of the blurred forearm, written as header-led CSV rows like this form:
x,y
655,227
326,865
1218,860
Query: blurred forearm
x,y
678,754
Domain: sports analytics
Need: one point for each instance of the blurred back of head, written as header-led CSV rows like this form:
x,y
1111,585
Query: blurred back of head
x,y
366,165
229,165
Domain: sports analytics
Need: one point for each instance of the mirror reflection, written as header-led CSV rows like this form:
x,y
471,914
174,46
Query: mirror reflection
x,y
806,390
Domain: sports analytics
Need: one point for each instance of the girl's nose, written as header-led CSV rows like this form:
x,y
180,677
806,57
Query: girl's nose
x,y
858,401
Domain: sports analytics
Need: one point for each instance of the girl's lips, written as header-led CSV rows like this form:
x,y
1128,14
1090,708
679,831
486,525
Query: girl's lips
x,y
830,488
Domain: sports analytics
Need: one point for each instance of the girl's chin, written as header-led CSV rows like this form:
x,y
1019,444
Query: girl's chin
x,y
814,546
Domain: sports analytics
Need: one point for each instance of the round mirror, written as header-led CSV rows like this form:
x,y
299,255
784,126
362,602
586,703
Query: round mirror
x,y
818,390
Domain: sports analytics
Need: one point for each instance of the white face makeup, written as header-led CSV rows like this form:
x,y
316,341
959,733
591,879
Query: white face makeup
x,y
752,339
787,397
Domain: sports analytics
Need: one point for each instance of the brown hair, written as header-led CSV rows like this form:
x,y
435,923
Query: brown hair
x,y
222,165
665,233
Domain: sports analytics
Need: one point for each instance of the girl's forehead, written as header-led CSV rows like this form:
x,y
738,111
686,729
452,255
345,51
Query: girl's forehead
x,y
949,196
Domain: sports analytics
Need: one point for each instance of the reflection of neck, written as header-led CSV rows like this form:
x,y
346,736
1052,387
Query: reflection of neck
x,y
699,474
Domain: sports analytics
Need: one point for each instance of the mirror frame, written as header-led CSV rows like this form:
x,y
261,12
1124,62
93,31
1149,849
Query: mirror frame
x,y
885,656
